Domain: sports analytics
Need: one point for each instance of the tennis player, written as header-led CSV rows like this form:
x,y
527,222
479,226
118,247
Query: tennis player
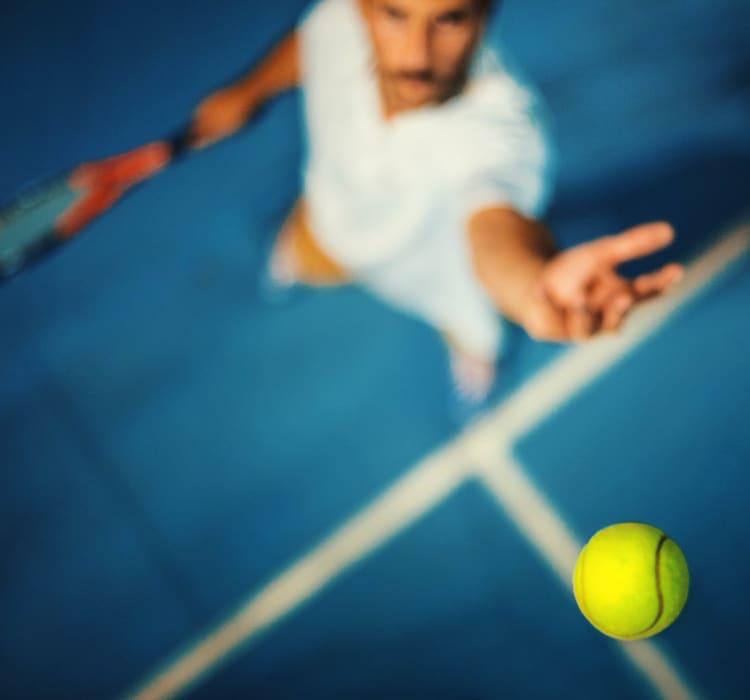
x,y
426,180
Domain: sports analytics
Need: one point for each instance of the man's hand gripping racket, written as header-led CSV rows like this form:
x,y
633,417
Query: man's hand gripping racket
x,y
41,218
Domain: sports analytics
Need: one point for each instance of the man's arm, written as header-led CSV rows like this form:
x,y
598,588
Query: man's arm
x,y
228,109
509,252
567,295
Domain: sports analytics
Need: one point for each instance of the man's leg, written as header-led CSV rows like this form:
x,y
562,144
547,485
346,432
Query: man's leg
x,y
297,257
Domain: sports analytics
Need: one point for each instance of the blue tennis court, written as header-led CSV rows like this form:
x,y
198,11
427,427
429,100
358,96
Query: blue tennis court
x,y
209,495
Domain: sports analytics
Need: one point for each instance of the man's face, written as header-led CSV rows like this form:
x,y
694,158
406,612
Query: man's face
x,y
422,47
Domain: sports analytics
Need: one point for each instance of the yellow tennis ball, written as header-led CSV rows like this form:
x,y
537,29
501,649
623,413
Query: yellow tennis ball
x,y
631,581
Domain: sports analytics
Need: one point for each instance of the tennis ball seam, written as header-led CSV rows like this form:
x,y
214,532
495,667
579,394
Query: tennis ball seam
x,y
659,593
659,553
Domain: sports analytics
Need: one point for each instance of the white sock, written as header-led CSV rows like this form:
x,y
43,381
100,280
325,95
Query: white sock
x,y
282,267
473,376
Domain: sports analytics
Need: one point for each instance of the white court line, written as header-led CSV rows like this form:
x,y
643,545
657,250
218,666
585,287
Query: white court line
x,y
489,444
423,487
555,384
539,523
430,482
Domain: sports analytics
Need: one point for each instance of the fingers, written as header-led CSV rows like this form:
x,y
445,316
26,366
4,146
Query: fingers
x,y
581,324
566,279
544,321
655,283
605,287
615,311
636,242
611,298
614,298
552,323
585,324
607,301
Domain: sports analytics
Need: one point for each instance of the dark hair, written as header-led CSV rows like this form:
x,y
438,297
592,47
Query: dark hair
x,y
485,6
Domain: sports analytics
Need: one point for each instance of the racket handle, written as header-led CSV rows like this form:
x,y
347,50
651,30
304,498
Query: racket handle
x,y
181,143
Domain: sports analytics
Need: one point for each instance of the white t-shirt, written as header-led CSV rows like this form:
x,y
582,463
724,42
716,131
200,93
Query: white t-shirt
x,y
389,200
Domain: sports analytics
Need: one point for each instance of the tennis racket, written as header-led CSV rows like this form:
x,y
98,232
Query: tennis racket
x,y
41,218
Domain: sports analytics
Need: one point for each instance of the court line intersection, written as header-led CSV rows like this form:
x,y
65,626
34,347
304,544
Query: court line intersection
x,y
484,452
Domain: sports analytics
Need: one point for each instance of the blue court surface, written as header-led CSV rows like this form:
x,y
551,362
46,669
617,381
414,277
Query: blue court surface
x,y
208,495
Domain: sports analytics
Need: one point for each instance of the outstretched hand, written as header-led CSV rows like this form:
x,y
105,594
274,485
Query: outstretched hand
x,y
580,293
